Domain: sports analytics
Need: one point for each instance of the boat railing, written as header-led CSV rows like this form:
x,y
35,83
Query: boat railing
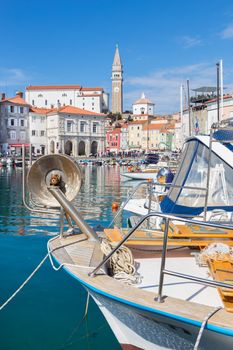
x,y
150,185
163,270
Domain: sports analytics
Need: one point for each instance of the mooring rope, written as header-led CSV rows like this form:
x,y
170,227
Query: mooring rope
x,y
29,277
68,342
24,283
48,255
204,322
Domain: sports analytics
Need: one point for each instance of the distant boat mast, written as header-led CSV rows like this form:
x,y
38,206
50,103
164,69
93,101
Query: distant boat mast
x,y
189,110
221,89
218,109
181,113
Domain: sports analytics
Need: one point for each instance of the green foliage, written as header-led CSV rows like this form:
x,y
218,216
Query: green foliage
x,y
114,117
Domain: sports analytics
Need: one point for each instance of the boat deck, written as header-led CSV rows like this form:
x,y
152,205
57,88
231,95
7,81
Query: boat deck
x,y
79,256
179,260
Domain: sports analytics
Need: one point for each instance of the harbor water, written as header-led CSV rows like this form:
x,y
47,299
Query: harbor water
x,y
48,313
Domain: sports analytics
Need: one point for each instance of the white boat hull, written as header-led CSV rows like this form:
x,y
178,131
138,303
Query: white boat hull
x,y
142,329
140,176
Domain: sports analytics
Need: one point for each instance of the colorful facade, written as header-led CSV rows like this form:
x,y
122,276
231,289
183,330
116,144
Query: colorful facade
x,y
113,140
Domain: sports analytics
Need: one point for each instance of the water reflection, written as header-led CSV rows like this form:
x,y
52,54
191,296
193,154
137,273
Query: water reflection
x,y
47,314
102,185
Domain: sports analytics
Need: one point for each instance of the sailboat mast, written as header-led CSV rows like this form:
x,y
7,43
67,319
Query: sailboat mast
x,y
189,107
218,109
181,113
221,89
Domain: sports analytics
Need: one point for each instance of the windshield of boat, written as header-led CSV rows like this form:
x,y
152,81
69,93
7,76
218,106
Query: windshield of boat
x,y
193,172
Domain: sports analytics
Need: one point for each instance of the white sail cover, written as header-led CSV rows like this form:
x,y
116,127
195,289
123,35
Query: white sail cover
x,y
193,172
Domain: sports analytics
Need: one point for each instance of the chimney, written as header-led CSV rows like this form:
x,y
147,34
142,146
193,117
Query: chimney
x,y
19,93
3,96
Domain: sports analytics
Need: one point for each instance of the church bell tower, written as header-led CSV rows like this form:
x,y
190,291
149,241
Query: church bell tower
x,y
117,82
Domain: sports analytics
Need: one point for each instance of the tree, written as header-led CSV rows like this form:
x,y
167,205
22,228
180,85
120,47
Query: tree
x,y
114,117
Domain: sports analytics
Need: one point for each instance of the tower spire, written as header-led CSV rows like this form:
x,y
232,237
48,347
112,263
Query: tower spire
x,y
117,59
117,79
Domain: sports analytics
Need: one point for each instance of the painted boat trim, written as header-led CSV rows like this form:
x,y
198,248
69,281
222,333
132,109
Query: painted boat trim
x,y
221,330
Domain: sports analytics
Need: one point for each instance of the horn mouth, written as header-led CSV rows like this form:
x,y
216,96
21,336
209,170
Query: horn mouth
x,y
53,170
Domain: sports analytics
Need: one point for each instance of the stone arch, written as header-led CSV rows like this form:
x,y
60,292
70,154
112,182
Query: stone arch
x,y
94,147
68,148
52,146
81,148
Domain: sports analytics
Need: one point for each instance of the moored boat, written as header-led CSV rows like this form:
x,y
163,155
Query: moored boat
x,y
170,299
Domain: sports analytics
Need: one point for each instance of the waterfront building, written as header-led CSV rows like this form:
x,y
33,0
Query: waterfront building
x,y
151,136
124,138
225,113
38,130
113,140
166,140
75,131
135,133
196,120
143,108
203,114
93,99
117,83
178,138
13,124
157,137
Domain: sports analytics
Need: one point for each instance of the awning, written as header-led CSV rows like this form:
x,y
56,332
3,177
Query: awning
x,y
19,144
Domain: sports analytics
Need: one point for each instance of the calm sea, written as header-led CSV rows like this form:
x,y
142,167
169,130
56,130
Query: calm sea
x,y
47,313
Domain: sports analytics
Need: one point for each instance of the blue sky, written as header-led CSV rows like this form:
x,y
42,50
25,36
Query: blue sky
x,y
162,44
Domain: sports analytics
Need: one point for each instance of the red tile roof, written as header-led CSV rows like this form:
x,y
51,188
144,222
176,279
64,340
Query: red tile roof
x,y
16,100
75,110
91,89
224,97
138,122
62,87
153,127
116,131
52,87
90,95
41,110
162,127
141,115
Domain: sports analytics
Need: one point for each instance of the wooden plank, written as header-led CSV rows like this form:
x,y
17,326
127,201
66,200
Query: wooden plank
x,y
223,271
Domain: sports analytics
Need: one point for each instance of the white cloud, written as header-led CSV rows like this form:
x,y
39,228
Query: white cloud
x,y
13,77
163,86
189,41
227,33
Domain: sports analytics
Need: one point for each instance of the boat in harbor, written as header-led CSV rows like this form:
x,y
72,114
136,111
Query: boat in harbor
x,y
153,164
193,183
7,162
167,299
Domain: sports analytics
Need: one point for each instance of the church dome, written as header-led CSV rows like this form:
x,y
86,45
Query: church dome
x,y
143,100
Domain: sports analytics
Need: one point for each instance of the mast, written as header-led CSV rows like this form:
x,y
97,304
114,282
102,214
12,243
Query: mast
x,y
221,89
189,108
218,111
181,113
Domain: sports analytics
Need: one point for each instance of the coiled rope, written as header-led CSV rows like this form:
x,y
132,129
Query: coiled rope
x,y
121,263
